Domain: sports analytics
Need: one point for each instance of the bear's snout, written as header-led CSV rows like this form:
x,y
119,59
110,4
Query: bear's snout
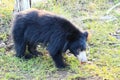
x,y
82,56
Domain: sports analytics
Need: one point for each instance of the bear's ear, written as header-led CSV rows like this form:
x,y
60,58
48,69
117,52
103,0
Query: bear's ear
x,y
86,34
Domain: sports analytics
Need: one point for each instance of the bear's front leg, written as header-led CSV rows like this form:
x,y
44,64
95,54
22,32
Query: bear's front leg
x,y
58,59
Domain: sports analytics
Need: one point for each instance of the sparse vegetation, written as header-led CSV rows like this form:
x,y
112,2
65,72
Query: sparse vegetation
x,y
104,46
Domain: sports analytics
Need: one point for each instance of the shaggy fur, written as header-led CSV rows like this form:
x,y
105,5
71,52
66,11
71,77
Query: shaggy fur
x,y
32,27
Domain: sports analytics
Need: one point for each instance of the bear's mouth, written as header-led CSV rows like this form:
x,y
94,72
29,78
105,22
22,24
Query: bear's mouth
x,y
82,56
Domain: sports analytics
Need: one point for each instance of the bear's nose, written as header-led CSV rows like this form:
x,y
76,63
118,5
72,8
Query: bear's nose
x,y
82,56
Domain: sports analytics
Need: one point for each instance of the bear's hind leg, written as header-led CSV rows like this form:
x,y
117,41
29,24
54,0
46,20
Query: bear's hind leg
x,y
20,48
33,51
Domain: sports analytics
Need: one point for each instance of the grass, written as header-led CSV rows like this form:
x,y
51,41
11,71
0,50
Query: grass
x,y
103,52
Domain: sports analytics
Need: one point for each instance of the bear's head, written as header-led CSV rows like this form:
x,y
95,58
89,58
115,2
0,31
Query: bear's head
x,y
78,46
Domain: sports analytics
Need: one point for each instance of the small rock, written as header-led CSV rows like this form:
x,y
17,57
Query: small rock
x,y
118,32
118,36
2,45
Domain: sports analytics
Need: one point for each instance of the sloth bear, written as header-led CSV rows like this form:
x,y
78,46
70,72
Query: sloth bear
x,y
31,27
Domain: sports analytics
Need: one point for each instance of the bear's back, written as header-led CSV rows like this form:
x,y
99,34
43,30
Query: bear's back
x,y
46,19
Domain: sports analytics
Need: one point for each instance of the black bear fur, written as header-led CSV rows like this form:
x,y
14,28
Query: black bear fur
x,y
33,26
